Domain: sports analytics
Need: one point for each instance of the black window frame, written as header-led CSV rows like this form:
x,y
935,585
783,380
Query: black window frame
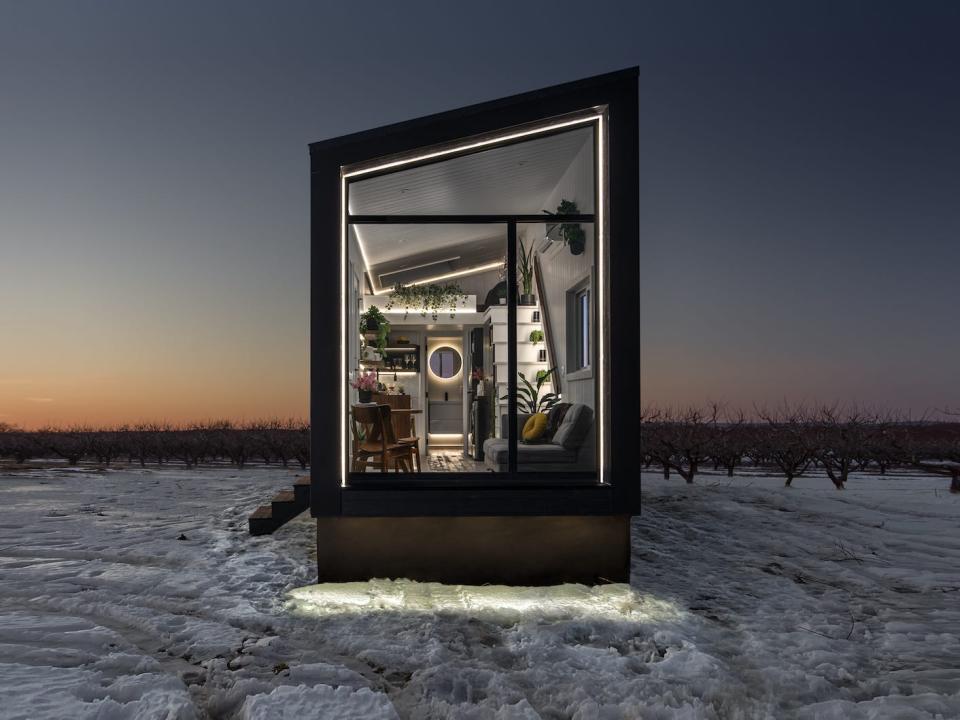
x,y
615,95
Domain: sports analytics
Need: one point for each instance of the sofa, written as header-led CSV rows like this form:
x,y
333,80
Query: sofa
x,y
571,447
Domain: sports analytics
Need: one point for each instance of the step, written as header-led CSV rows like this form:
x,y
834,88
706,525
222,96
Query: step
x,y
301,489
261,521
285,506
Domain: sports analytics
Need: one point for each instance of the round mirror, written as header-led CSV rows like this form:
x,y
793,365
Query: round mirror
x,y
445,362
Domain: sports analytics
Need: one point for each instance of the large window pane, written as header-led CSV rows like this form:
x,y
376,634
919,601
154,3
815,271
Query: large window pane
x,y
556,355
422,344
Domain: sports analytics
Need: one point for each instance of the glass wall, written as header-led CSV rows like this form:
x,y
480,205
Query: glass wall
x,y
438,324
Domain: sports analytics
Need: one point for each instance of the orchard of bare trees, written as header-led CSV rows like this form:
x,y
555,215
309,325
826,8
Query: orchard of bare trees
x,y
792,441
789,442
266,441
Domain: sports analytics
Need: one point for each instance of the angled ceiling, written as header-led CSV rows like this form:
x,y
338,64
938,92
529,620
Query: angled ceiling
x,y
514,179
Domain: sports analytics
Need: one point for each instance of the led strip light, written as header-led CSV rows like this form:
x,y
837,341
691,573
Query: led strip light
x,y
601,281
446,276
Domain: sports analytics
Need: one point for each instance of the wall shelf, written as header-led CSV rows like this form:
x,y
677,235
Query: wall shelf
x,y
400,355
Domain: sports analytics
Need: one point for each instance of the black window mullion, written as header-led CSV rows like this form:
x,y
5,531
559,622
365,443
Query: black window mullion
x,y
512,347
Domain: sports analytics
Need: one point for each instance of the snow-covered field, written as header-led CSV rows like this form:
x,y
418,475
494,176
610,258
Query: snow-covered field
x,y
138,594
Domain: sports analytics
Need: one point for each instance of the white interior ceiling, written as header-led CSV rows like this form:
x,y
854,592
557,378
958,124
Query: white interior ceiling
x,y
514,179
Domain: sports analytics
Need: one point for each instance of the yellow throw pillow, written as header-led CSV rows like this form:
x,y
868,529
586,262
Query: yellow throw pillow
x,y
535,427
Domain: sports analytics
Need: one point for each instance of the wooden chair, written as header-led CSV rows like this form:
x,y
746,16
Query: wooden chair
x,y
376,441
394,426
408,436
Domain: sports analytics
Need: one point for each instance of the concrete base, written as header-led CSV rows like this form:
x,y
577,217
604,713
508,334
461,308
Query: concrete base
x,y
529,550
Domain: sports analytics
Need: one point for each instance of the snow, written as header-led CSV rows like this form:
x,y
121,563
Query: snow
x,y
289,702
748,600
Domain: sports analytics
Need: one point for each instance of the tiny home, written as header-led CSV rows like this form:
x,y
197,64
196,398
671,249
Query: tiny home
x,y
475,341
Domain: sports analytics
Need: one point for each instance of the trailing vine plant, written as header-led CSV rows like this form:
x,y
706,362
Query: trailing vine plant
x,y
430,298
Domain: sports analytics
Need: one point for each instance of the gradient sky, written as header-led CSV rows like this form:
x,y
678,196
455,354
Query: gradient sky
x,y
799,204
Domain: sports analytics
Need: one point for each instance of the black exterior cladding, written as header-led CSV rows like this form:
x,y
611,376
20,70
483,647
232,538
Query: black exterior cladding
x,y
615,92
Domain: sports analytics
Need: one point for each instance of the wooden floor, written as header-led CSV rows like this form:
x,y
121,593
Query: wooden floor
x,y
450,460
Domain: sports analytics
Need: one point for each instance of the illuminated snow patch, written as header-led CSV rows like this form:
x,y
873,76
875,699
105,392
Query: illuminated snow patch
x,y
494,602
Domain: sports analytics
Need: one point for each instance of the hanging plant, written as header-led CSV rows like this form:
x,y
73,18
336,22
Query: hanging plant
x,y
373,321
571,234
430,298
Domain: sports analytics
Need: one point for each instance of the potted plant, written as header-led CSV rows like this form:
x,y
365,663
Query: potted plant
x,y
536,336
365,384
572,234
375,327
526,275
528,395
430,298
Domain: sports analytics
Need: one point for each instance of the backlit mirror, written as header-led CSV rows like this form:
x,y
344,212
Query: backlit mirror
x,y
445,362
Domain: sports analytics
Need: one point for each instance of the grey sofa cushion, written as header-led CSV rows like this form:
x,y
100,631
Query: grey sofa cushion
x,y
555,417
495,451
573,430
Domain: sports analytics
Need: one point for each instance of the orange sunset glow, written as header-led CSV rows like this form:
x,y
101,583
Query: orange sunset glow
x,y
95,375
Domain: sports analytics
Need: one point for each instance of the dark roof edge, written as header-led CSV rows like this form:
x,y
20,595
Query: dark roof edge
x,y
489,105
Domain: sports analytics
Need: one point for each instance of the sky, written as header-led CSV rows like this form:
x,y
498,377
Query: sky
x,y
800,170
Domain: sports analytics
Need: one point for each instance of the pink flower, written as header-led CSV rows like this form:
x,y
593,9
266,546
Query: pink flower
x,y
366,381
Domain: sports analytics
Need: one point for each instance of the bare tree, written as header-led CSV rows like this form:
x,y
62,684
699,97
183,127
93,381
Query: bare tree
x,y
732,439
682,441
786,442
839,436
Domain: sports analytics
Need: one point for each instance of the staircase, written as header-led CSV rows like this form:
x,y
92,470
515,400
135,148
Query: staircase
x,y
283,508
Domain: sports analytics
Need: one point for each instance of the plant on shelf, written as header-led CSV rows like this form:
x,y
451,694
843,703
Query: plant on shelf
x,y
572,234
374,326
536,336
429,298
528,395
365,384
525,266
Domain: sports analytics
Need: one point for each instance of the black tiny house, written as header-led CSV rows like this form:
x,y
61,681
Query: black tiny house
x,y
463,431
